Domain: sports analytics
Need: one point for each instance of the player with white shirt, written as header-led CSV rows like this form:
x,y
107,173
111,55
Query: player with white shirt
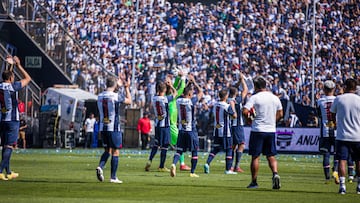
x,y
162,122
188,137
262,138
223,140
347,110
109,109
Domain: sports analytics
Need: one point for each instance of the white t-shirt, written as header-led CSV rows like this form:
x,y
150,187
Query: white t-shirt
x,y
266,105
89,124
347,109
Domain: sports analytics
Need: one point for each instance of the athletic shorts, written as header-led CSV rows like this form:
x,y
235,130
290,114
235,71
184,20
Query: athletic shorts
x,y
223,143
345,148
238,135
162,136
187,140
327,144
9,132
112,139
262,142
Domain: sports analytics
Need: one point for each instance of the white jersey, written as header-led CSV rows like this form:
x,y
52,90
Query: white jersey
x,y
347,109
327,120
239,120
89,124
161,109
266,105
109,110
186,109
222,121
9,101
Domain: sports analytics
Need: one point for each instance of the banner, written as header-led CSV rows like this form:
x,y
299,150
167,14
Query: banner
x,y
293,140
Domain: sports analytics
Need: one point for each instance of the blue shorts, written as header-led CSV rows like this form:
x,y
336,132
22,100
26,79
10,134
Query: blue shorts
x,y
345,148
162,136
238,135
9,132
223,142
327,144
262,142
187,140
112,139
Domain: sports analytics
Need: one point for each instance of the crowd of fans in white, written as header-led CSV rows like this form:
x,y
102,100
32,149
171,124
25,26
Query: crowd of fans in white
x,y
272,38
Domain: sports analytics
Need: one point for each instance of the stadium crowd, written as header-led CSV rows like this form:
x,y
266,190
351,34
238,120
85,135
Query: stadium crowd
x,y
272,38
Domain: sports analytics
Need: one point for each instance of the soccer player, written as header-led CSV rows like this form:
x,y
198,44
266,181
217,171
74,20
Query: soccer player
x,y
347,110
10,119
236,102
188,137
109,109
179,85
262,137
222,135
162,123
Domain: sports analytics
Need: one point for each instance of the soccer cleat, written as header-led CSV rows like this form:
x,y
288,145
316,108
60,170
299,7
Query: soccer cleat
x,y
184,167
276,182
327,181
99,174
12,175
358,190
252,185
163,169
193,175
147,166
173,170
238,169
336,177
230,172
342,191
3,177
206,168
351,179
116,180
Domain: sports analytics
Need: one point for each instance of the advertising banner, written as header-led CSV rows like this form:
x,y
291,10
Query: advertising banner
x,y
293,140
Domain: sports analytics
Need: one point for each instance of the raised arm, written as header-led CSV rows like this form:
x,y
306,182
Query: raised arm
x,y
198,88
244,91
26,80
171,88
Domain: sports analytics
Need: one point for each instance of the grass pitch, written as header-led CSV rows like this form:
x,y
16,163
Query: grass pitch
x,y
47,175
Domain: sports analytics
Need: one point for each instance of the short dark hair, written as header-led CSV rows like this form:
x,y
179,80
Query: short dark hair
x,y
7,74
232,91
223,93
350,84
160,86
187,89
110,82
259,82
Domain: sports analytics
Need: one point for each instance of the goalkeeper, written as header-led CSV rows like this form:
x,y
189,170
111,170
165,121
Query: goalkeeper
x,y
179,85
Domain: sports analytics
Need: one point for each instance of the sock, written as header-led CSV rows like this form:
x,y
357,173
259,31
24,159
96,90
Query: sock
x,y
5,162
103,159
327,172
336,165
238,158
153,152
228,159
275,173
194,160
351,171
162,157
358,181
182,159
210,158
342,182
114,166
177,156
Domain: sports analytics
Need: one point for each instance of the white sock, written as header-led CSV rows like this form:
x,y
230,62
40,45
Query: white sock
x,y
342,182
358,183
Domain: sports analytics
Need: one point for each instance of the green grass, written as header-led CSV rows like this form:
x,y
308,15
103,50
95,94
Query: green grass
x,y
50,176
